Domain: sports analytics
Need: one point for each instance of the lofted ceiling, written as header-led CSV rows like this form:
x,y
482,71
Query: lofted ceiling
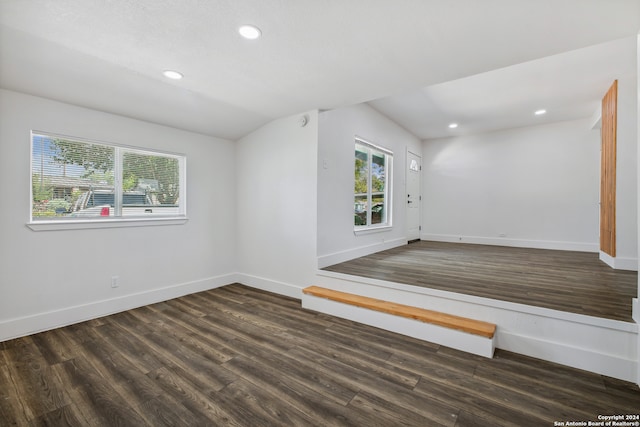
x,y
566,86
424,63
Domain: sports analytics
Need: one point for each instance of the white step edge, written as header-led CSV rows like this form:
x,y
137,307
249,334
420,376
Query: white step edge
x,y
459,340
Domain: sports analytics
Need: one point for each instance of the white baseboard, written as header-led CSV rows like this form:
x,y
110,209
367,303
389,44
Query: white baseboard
x,y
269,285
342,256
27,325
619,263
516,243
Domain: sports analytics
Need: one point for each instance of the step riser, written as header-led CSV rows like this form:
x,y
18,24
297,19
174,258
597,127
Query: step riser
x,y
447,337
438,318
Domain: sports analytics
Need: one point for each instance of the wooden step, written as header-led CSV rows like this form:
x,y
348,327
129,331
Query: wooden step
x,y
464,324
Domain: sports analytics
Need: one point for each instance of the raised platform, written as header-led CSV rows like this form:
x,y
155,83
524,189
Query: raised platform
x,y
576,282
604,346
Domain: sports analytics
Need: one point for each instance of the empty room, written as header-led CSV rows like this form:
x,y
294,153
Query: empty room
x,y
319,213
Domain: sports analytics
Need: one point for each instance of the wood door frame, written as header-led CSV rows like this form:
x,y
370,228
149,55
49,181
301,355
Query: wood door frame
x,y
608,134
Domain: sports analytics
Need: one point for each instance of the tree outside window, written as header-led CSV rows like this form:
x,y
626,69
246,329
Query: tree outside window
x,y
74,179
371,200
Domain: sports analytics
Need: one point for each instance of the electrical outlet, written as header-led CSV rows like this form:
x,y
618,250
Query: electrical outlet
x,y
115,281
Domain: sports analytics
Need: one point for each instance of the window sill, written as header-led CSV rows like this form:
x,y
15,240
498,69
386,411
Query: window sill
x,y
370,230
104,223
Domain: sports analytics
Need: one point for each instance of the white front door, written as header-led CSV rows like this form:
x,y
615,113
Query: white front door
x,y
413,170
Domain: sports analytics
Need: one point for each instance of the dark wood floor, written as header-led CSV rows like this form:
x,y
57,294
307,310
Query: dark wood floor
x,y
576,282
242,357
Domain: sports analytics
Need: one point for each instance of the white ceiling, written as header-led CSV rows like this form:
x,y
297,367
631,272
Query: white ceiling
x,y
316,54
568,86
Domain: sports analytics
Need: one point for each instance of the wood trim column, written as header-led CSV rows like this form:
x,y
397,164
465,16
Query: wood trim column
x,y
608,171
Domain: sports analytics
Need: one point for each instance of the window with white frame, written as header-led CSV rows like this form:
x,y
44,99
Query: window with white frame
x,y
372,189
78,180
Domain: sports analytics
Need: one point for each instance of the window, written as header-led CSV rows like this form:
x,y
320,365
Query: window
x,y
76,180
372,197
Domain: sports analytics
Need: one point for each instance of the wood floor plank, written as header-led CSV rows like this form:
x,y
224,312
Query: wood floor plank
x,y
254,406
176,355
261,335
621,390
232,293
79,334
524,377
281,316
432,365
203,326
227,323
100,395
468,419
126,379
81,401
345,353
392,392
237,356
244,313
304,373
117,339
487,409
568,401
532,406
164,410
381,409
65,416
284,390
188,307
30,375
517,364
193,391
305,335
203,345
181,331
13,410
336,339
54,347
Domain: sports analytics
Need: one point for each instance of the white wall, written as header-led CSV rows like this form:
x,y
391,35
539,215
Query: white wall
x,y
626,174
336,239
276,206
636,302
51,278
537,185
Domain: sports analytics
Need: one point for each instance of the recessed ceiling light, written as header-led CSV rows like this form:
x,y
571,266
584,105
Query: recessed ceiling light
x,y
249,32
453,125
170,74
540,112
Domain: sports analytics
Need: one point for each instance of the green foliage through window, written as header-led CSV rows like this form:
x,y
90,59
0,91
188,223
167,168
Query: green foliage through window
x,y
371,200
74,179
